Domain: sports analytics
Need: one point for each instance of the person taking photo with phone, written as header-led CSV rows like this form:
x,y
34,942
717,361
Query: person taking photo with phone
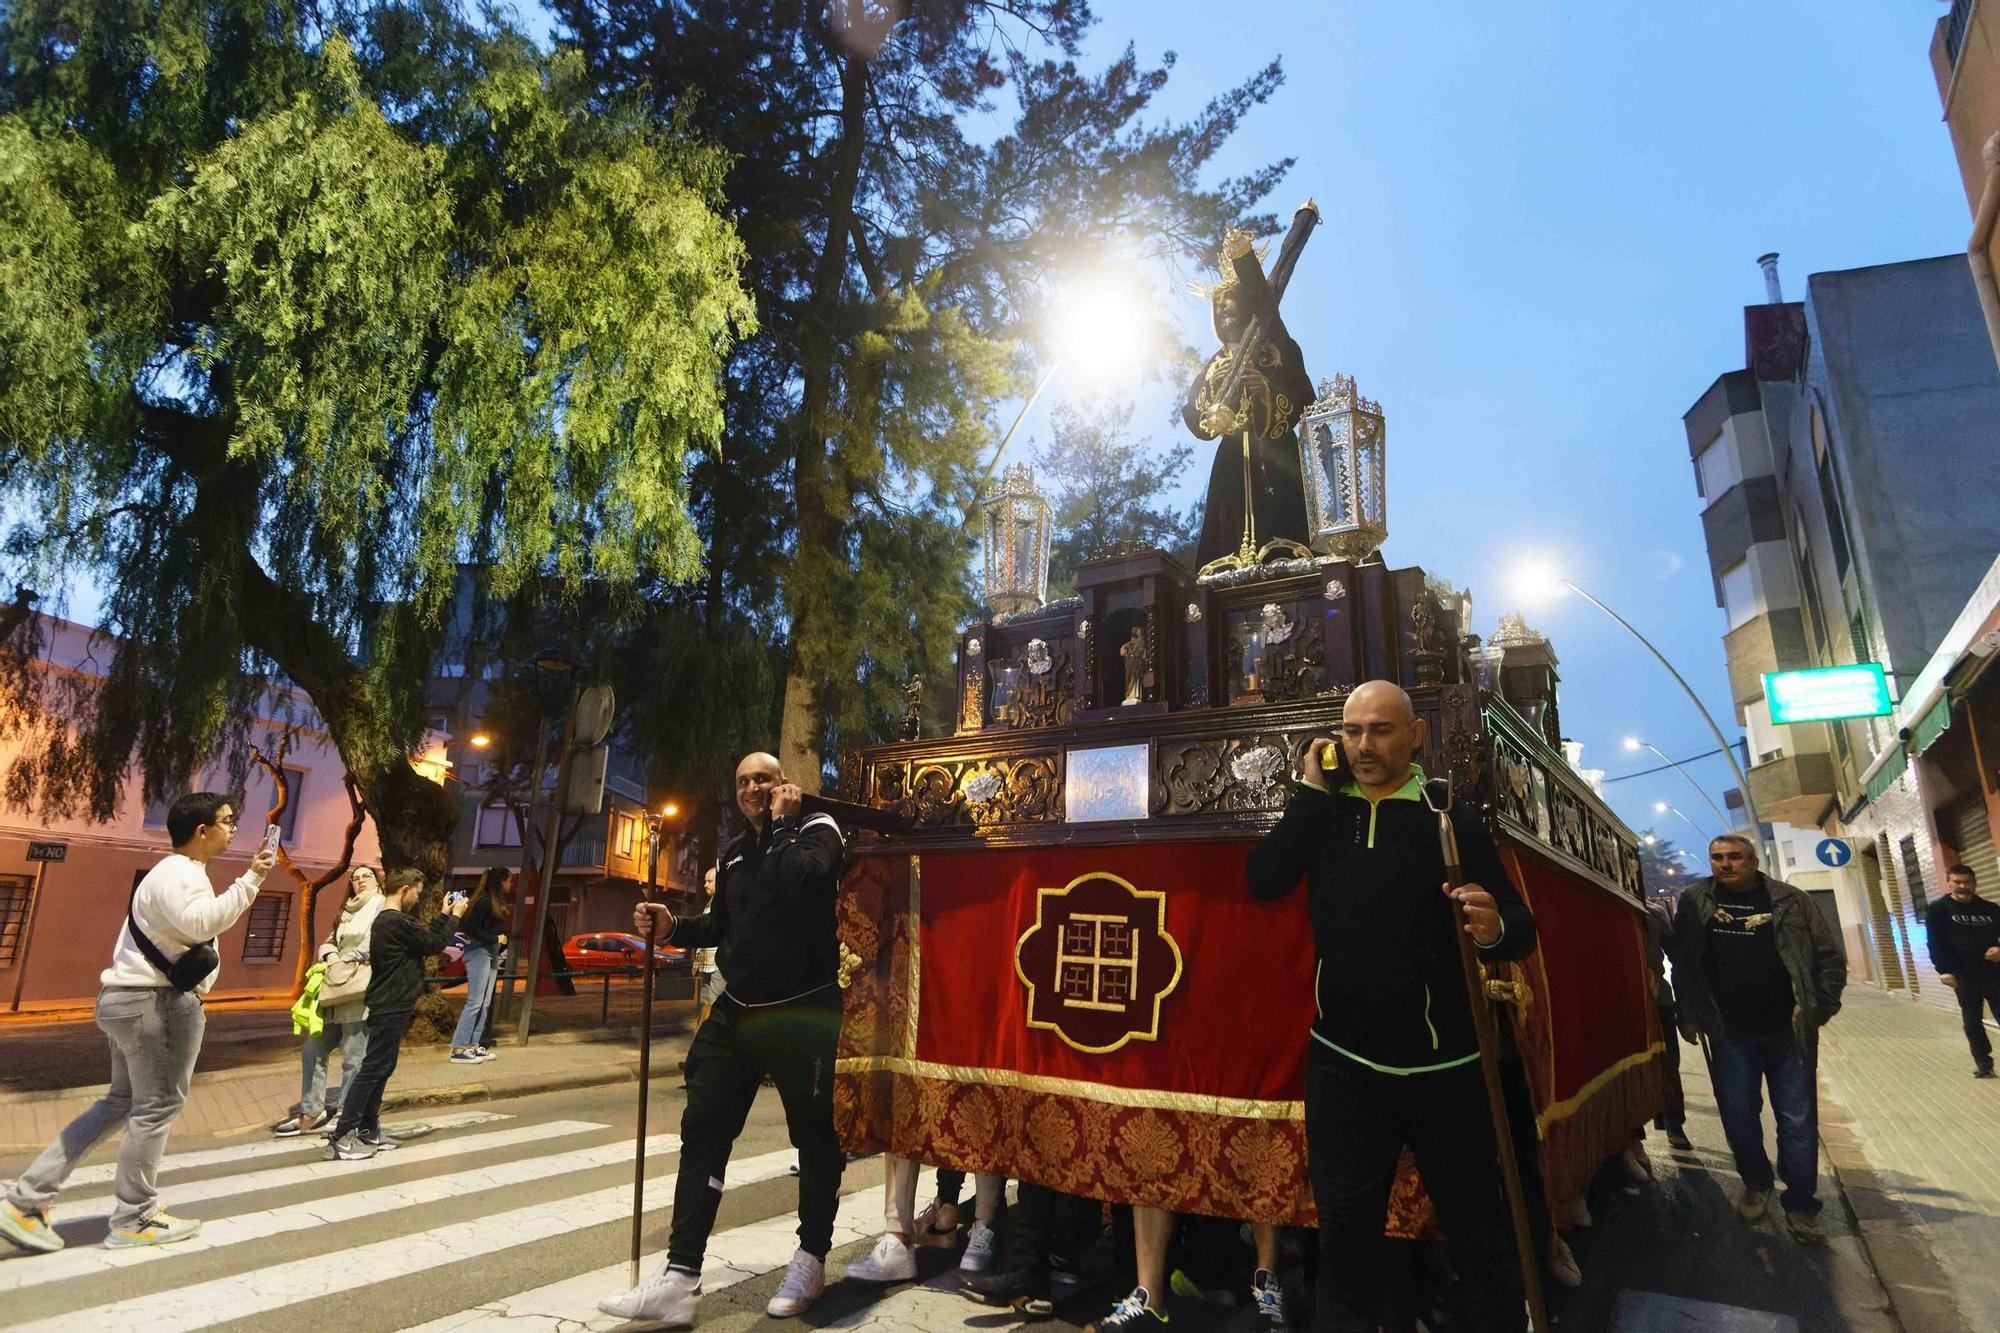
x,y
397,947
150,1011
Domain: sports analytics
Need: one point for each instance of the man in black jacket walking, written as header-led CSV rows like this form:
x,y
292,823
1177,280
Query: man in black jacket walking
x,y
772,917
1963,932
1394,1058
1759,971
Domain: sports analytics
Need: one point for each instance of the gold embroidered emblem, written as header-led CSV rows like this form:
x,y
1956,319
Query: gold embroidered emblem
x,y
1098,962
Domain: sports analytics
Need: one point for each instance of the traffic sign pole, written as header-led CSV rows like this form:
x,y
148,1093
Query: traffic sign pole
x,y
34,906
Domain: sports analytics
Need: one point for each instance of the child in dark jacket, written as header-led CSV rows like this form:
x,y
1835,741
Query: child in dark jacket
x,y
397,947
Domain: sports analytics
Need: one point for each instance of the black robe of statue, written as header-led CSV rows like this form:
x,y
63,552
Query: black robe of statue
x,y
1279,391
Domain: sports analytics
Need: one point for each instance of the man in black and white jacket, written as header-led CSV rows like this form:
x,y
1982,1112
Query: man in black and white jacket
x,y
154,1023
772,918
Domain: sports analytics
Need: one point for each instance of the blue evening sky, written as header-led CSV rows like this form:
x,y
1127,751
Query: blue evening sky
x,y
1541,226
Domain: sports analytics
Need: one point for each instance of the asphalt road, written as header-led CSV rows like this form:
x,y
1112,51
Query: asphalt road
x,y
516,1214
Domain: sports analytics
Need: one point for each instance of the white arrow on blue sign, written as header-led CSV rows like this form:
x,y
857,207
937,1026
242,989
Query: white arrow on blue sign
x,y
1834,852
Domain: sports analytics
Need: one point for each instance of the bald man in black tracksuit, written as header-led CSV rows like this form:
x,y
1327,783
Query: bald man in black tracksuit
x,y
1394,1058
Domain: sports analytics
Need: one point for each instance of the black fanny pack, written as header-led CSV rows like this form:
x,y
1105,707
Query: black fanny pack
x,y
184,973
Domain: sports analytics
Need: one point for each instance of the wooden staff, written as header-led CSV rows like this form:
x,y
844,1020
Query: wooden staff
x,y
1489,1065
645,1079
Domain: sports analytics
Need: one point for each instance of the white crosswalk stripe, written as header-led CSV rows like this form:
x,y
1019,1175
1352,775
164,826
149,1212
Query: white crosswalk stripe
x,y
279,1286
360,1205
506,1203
303,1144
201,1191
734,1256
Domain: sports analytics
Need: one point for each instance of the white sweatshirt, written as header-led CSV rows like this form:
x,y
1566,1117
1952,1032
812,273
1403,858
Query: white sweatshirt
x,y
177,908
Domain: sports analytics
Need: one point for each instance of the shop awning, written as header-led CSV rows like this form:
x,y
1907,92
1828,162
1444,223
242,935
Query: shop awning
x,y
1931,725
1885,776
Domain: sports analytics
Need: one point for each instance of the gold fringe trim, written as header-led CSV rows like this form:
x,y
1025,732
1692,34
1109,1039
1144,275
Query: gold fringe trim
x,y
1571,1104
1245,1108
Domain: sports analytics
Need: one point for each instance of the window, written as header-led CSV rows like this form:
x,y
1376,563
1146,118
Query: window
x,y
627,827
295,800
264,940
1717,468
1739,594
496,828
14,891
1857,637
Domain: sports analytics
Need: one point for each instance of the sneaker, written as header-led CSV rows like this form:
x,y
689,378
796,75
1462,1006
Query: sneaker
x,y
293,1126
1563,1266
379,1141
348,1148
159,1229
980,1243
1269,1298
805,1279
1065,1269
464,1056
29,1230
1805,1228
1017,1283
1131,1315
1983,1071
937,1225
667,1298
486,1053
1677,1139
892,1260
1753,1205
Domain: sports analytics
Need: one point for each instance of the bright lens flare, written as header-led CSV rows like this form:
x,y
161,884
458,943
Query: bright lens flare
x,y
1633,742
1535,582
1098,326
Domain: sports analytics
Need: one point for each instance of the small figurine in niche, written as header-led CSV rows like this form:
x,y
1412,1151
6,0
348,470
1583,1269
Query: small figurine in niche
x,y
1137,678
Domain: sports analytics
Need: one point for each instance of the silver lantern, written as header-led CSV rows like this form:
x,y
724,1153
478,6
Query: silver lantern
x,y
1340,457
1017,543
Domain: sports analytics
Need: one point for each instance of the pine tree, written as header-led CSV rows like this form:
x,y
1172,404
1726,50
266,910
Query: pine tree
x,y
304,308
1106,488
899,252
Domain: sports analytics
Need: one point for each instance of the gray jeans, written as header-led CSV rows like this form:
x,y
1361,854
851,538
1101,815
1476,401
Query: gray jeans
x,y
352,1041
155,1035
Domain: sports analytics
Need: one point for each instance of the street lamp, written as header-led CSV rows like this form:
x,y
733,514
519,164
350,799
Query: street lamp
x,y
479,740
1634,743
1533,579
1662,808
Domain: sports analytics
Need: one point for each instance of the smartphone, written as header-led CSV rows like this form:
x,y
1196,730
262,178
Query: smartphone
x,y
272,835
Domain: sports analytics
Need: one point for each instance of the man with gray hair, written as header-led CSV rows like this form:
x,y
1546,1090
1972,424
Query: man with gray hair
x,y
1758,971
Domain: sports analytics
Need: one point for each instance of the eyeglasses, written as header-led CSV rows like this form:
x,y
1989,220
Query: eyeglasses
x,y
225,821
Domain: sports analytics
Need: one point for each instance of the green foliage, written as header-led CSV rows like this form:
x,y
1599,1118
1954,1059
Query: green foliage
x,y
902,255
300,318
1107,487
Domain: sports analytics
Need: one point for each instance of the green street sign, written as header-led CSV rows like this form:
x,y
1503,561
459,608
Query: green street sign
x,y
1822,694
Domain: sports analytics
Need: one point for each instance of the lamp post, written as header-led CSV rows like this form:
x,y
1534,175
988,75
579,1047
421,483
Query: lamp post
x,y
1662,808
555,674
1634,743
1729,751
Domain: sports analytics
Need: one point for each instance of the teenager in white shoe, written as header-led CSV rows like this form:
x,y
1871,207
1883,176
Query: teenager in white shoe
x,y
894,1258
150,1010
772,918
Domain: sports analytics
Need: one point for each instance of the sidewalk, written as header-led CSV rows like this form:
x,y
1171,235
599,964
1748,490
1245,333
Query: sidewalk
x,y
1915,1141
249,1071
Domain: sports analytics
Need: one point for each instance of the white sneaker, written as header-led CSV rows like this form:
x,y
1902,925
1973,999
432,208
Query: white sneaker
x,y
980,1243
805,1279
668,1298
892,1260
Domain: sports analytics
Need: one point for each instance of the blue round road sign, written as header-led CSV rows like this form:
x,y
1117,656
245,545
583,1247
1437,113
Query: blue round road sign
x,y
1834,852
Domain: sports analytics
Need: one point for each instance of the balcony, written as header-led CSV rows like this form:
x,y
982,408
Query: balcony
x,y
1793,788
1774,641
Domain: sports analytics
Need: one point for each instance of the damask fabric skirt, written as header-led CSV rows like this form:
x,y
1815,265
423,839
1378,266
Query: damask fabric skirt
x,y
1127,1023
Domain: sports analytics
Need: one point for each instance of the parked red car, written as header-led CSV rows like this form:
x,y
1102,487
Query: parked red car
x,y
610,952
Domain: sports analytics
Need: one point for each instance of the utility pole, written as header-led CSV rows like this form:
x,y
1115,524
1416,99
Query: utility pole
x,y
546,889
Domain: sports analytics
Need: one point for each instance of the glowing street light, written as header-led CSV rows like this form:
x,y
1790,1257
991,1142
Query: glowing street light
x,y
1634,743
479,740
1536,581
1662,808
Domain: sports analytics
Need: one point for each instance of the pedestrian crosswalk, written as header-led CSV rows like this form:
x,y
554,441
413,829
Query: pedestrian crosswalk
x,y
512,1219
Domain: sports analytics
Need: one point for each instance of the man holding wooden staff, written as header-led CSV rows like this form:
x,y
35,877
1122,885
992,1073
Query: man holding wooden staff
x,y
779,1016
1395,1056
